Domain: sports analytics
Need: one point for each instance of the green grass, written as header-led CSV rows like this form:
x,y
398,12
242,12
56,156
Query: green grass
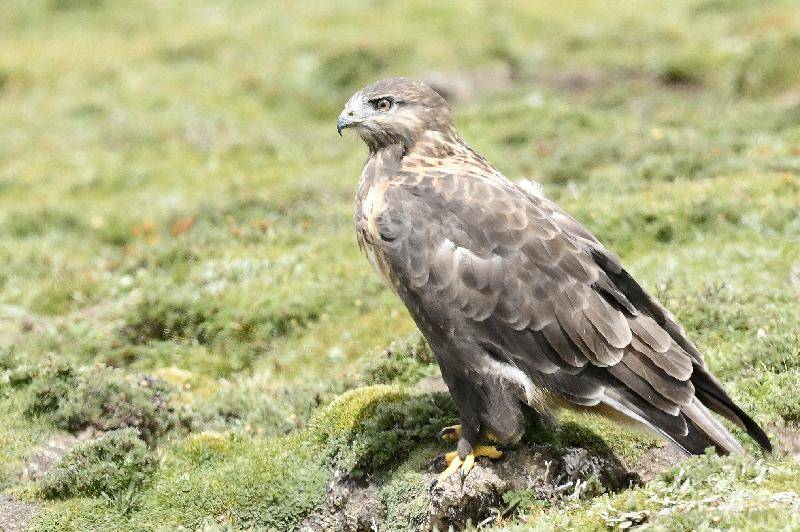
x,y
176,232
703,493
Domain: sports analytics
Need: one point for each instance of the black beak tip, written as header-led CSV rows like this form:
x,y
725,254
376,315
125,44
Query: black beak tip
x,y
339,129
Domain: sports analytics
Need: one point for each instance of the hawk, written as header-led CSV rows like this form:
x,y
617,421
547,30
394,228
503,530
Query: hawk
x,y
525,310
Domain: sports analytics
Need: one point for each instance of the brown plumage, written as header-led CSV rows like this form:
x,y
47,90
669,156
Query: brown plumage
x,y
523,306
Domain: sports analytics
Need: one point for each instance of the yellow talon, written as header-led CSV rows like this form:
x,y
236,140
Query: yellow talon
x,y
489,451
449,457
455,463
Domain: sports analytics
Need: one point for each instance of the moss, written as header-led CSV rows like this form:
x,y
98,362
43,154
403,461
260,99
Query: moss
x,y
20,435
255,404
404,494
369,428
224,359
115,462
166,316
244,482
249,481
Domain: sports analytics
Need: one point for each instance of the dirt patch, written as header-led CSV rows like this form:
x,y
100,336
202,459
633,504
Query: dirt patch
x,y
656,461
466,85
786,440
355,506
592,80
14,514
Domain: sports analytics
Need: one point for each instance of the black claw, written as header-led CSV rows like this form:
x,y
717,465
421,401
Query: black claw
x,y
434,482
444,432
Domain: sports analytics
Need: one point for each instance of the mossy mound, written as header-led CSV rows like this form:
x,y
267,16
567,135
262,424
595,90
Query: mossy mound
x,y
115,462
275,482
73,399
368,428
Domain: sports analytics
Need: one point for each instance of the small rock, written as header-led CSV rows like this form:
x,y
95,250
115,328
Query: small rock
x,y
48,454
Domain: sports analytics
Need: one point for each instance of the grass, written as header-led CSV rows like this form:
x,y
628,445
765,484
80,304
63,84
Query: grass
x,y
176,235
705,492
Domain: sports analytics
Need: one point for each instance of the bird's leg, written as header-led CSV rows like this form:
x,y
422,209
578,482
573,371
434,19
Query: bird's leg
x,y
463,460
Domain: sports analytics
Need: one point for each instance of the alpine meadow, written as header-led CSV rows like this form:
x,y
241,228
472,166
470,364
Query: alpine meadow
x,y
190,337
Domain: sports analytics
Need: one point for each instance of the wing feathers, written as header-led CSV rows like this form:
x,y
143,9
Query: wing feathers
x,y
677,391
648,330
486,261
675,361
710,392
561,344
608,321
643,389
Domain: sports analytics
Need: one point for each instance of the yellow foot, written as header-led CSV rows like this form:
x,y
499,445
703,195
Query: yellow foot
x,y
455,463
451,433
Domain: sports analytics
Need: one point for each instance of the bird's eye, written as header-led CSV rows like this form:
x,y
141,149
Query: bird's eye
x,y
383,105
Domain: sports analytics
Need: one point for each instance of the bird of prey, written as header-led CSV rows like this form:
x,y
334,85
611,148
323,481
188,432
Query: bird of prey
x,y
523,307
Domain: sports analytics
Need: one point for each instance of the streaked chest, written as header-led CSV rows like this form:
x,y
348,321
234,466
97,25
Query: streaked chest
x,y
370,203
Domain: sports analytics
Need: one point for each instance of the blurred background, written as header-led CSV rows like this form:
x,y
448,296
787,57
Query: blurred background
x,y
175,202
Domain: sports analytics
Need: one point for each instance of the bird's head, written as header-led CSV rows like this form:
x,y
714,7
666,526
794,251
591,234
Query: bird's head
x,y
395,111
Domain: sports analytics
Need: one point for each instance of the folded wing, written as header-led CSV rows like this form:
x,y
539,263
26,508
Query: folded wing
x,y
541,288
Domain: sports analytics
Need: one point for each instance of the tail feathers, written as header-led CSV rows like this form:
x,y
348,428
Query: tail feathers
x,y
689,436
693,431
710,392
705,430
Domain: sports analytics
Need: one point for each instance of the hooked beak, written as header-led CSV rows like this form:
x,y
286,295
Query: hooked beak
x,y
345,120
